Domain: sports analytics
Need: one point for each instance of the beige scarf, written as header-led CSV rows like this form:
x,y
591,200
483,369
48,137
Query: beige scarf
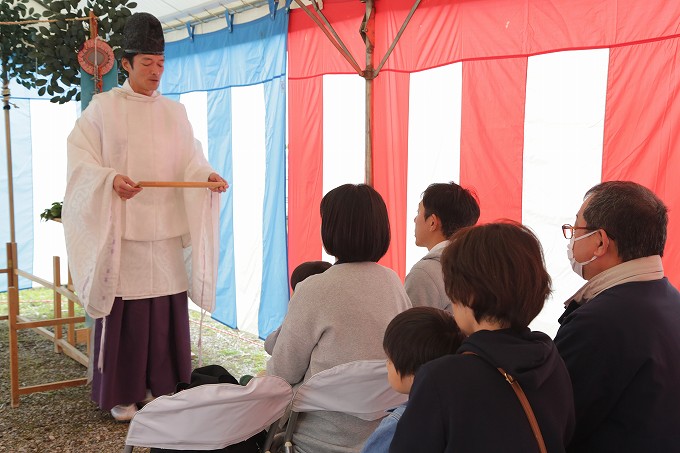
x,y
638,270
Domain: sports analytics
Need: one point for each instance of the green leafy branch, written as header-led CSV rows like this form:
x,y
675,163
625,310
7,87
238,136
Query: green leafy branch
x,y
45,55
54,212
16,43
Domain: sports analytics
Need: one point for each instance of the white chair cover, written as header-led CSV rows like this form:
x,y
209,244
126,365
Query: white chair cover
x,y
210,416
357,388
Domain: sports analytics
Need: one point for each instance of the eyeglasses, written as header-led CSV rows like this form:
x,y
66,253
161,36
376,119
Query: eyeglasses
x,y
568,230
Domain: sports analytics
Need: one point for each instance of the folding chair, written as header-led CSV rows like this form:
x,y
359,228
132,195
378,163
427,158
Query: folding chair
x,y
357,388
210,416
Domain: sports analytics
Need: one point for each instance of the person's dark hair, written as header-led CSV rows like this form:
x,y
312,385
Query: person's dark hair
x,y
354,224
307,269
632,216
455,206
418,335
130,57
497,270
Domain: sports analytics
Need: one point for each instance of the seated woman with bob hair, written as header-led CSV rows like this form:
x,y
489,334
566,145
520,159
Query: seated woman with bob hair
x,y
340,315
496,279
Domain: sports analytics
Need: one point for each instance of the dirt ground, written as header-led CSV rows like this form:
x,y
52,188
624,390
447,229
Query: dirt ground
x,y
66,420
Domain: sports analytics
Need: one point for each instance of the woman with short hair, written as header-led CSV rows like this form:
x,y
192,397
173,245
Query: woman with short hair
x,y
497,282
340,315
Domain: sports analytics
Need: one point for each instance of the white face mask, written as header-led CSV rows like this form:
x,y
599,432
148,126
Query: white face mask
x,y
575,265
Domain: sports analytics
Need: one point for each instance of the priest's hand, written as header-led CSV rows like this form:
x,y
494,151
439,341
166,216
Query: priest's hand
x,y
214,177
125,187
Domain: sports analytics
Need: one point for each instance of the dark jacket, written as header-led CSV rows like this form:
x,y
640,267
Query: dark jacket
x,y
461,403
622,349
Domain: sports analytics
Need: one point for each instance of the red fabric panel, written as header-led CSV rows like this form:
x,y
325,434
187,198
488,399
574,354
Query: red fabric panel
x,y
311,50
390,159
444,31
641,134
492,135
305,170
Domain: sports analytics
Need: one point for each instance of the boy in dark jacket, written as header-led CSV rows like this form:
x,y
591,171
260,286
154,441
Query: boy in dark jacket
x,y
412,338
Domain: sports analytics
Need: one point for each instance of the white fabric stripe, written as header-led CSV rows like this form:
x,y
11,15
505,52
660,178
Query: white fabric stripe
x,y
344,101
433,139
248,148
196,104
49,185
563,134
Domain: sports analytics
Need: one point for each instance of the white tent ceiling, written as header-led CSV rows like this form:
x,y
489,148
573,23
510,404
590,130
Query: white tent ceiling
x,y
176,14
206,15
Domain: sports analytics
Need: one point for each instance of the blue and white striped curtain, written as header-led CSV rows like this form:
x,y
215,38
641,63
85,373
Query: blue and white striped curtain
x,y
243,72
22,169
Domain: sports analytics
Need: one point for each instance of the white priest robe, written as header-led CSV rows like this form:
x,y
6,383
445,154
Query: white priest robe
x,y
136,249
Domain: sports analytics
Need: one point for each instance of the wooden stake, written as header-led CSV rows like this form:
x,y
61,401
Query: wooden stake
x,y
56,275
13,304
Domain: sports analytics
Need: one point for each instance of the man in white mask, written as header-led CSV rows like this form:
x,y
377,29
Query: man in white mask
x,y
576,265
620,333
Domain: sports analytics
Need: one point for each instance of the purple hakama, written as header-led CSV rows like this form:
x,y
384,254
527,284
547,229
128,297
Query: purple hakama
x,y
147,345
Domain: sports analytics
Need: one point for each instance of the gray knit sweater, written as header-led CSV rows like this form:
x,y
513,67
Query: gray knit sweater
x,y
425,283
335,317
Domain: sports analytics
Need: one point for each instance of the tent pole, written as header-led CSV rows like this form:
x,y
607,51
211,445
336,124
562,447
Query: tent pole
x,y
8,144
396,38
368,34
344,51
367,31
331,35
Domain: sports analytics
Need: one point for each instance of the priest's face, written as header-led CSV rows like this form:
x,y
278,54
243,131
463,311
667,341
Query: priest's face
x,y
145,72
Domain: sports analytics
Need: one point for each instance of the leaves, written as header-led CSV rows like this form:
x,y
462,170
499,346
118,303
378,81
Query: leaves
x,y
46,55
53,212
16,44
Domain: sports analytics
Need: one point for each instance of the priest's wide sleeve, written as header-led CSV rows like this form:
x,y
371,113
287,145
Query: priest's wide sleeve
x,y
91,218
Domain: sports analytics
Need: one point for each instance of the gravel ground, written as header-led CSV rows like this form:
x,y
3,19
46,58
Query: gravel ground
x,y
66,420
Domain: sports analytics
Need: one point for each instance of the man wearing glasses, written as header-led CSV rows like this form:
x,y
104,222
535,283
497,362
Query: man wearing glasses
x,y
620,333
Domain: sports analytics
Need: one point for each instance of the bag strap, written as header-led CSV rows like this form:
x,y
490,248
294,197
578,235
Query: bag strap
x,y
524,402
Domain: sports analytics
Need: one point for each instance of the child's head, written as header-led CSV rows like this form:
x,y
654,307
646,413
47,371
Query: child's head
x,y
306,269
414,337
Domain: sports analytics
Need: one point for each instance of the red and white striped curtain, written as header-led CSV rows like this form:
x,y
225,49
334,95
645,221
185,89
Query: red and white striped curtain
x,y
530,103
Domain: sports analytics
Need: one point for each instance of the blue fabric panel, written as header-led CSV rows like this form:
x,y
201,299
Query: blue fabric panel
x,y
250,53
22,168
274,299
253,53
219,155
110,80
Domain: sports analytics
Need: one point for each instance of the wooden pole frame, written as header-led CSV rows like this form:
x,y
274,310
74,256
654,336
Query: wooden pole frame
x,y
18,322
8,145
